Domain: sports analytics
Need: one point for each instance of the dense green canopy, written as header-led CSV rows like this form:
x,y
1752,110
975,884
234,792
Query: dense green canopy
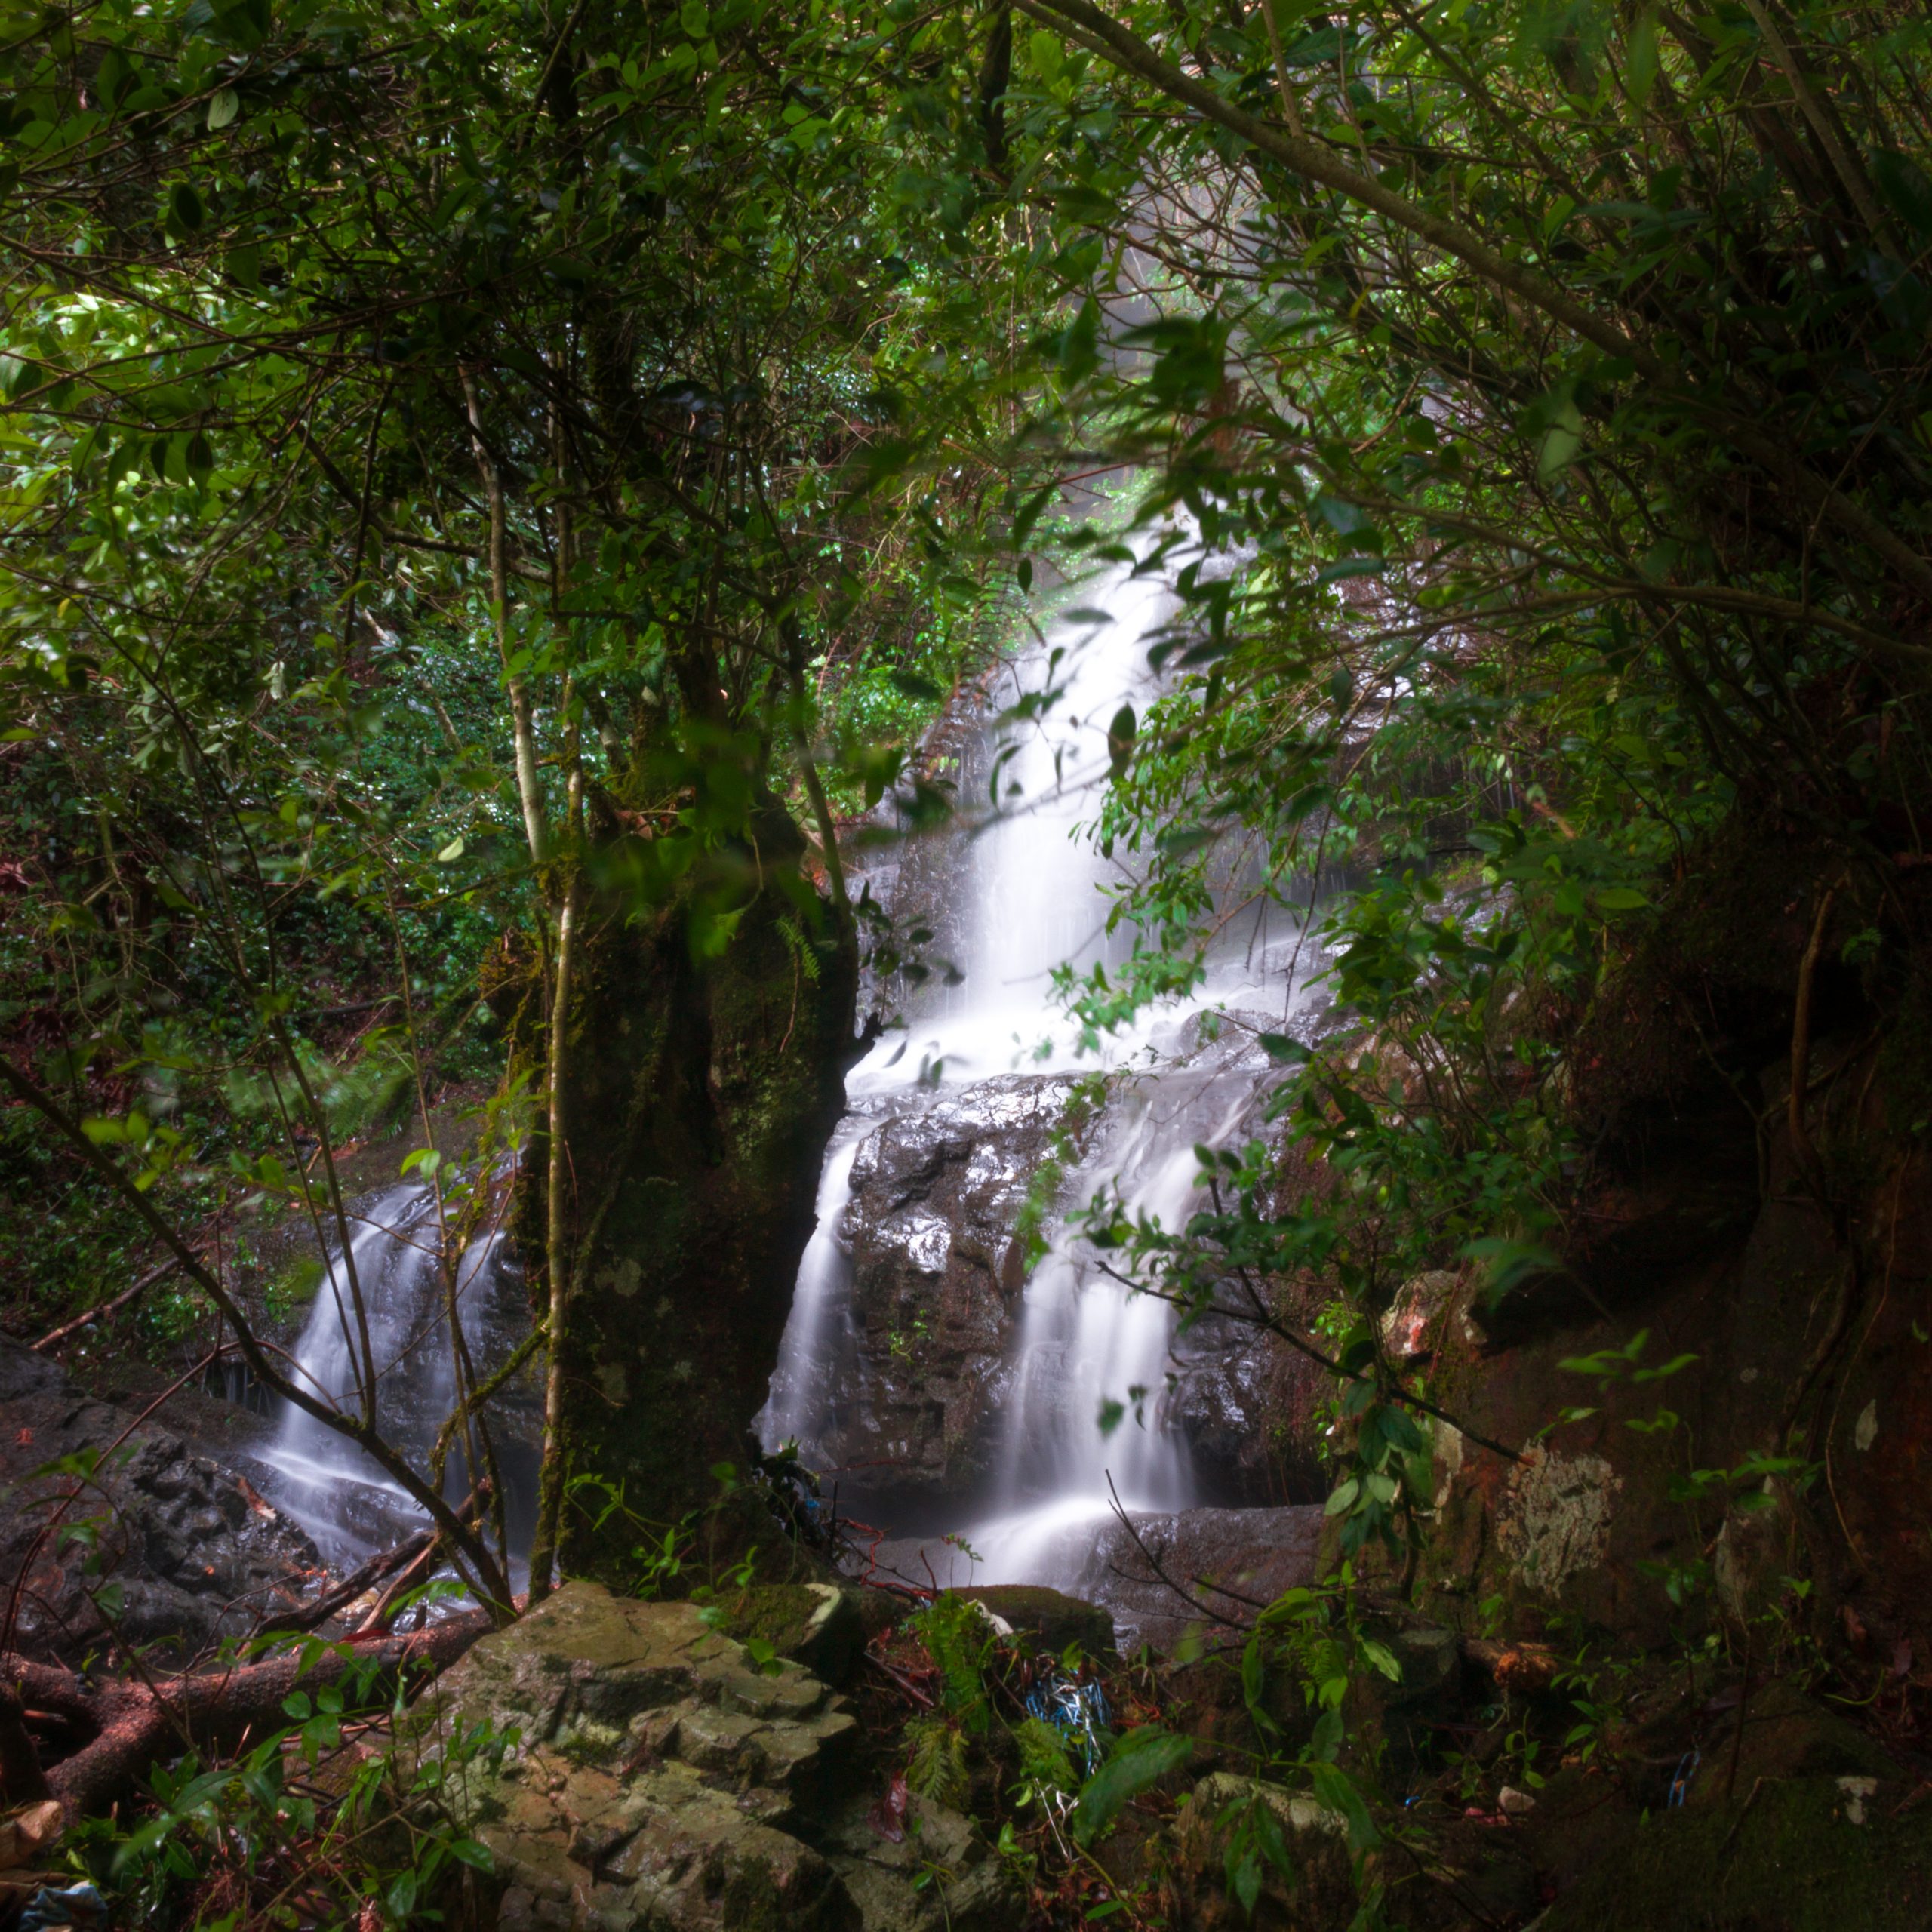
x,y
460,457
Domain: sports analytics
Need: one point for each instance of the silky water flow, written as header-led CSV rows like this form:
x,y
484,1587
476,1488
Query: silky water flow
x,y
344,1498
1033,883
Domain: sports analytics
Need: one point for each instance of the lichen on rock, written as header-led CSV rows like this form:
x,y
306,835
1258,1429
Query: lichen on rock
x,y
1556,1520
656,1776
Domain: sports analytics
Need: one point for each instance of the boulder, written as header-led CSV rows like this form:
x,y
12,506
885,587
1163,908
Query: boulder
x,y
938,1277
820,1626
644,1770
1412,1329
1802,1854
1053,1619
1396,1721
972,1891
1229,1559
1786,1734
1247,1403
179,1549
1320,1895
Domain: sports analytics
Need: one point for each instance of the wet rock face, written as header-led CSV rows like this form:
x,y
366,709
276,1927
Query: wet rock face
x,y
1128,1571
180,1550
938,1276
1246,1401
939,1281
1255,1554
656,1777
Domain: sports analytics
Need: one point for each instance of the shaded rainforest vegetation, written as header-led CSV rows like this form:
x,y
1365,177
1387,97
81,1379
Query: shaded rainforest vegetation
x,y
494,496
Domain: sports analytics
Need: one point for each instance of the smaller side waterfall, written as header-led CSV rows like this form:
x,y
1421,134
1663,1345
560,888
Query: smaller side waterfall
x,y
345,1500
815,1334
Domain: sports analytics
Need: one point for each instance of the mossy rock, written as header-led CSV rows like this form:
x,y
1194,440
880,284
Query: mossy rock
x,y
818,1625
1051,1618
1191,1850
1789,1735
881,1611
1808,1854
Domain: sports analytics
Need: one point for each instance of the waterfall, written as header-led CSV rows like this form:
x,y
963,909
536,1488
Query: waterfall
x,y
1029,886
813,1331
345,1500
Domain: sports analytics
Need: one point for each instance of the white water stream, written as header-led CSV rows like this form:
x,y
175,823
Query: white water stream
x,y
1034,884
344,1498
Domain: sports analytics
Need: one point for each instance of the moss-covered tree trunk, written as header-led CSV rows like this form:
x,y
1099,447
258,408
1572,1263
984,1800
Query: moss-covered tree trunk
x,y
699,1094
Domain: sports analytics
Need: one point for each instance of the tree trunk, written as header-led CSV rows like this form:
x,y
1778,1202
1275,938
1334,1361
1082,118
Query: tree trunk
x,y
699,1094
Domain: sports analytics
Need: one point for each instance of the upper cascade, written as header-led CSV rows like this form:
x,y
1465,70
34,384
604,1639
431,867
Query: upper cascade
x,y
1030,1401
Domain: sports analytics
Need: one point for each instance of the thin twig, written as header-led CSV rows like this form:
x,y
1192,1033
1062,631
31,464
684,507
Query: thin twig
x,y
1159,1569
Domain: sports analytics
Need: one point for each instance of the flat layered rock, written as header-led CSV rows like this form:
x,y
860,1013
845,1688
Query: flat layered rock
x,y
653,1774
1255,1554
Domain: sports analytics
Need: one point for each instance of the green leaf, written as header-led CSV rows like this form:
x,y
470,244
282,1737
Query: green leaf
x,y
1558,450
1283,1051
1139,1759
224,104
1342,1499
1640,58
1905,187
1336,1790
1383,1659
1254,1674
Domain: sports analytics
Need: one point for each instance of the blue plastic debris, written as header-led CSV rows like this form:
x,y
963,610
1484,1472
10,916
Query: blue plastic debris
x,y
1078,1710
78,1904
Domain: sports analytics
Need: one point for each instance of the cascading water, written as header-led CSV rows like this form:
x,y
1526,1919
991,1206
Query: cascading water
x,y
1034,897
815,1330
344,1498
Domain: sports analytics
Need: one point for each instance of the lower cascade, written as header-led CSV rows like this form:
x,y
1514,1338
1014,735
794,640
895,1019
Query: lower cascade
x,y
399,1263
971,1376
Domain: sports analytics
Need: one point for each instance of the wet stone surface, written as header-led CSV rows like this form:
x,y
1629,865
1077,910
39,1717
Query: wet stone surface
x,y
659,1778
1256,1554
938,1279
179,1550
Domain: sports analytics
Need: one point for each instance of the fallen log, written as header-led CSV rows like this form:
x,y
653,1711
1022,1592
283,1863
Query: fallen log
x,y
1530,1668
130,1724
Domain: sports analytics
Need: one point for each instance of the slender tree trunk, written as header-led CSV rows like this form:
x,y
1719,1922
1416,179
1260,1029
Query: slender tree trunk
x,y
828,833
529,787
559,1254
